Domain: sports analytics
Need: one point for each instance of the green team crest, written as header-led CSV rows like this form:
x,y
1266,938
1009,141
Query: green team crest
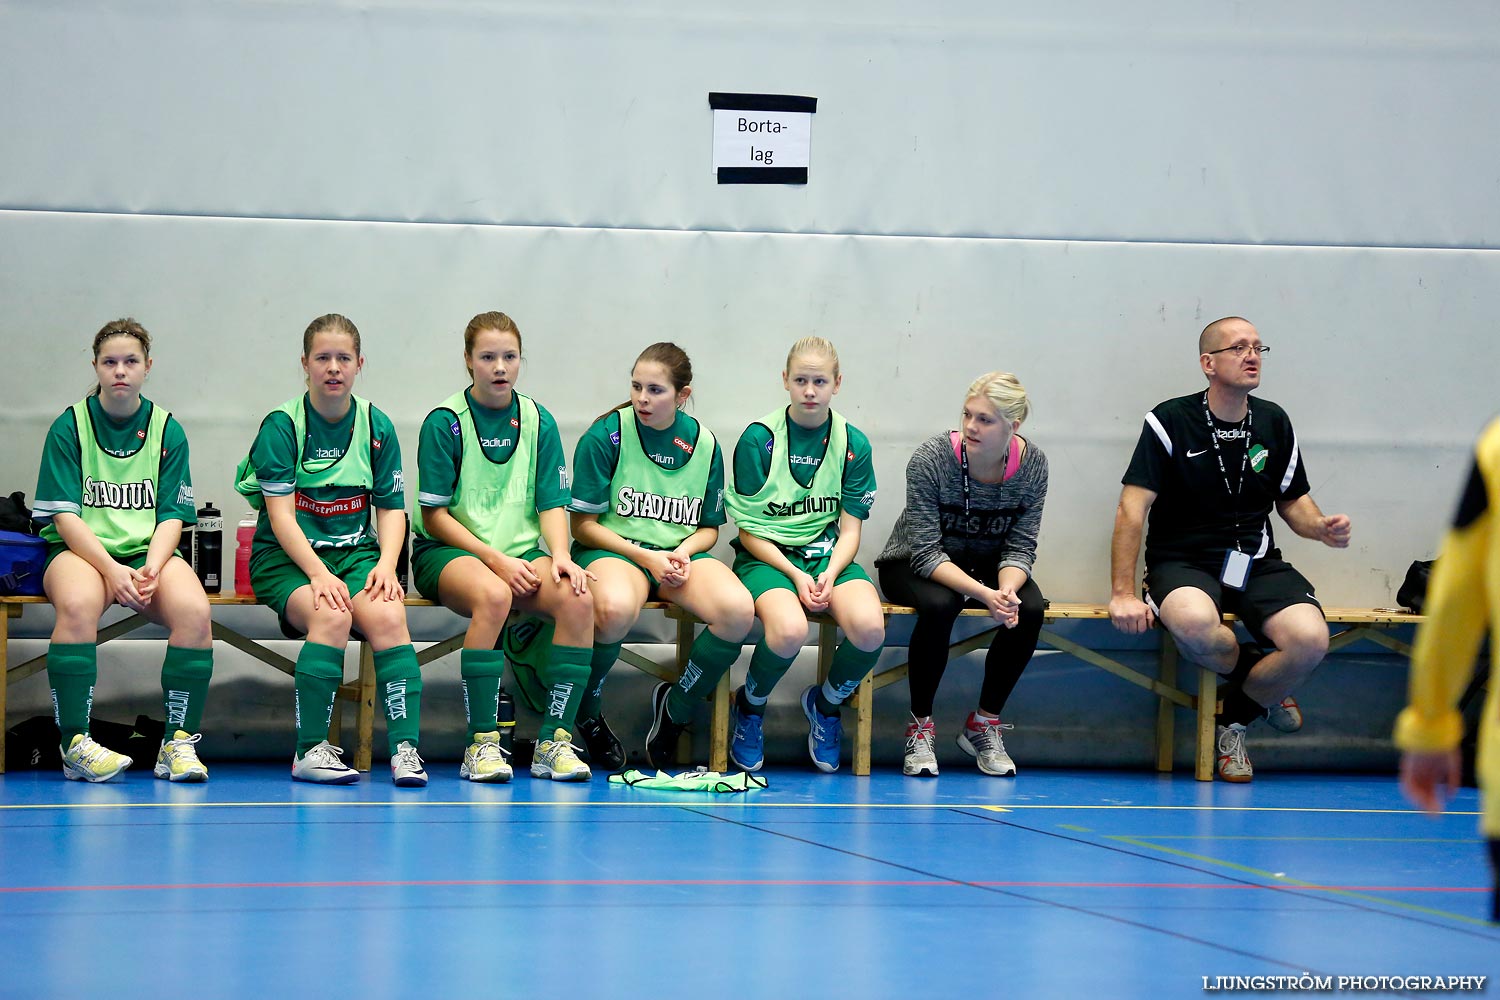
x,y
1258,456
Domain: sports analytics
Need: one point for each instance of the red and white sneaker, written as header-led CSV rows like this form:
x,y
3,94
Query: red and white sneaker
x,y
1285,717
920,758
980,739
1234,764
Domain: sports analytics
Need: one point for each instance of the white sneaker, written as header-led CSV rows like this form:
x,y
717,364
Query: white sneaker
x,y
1285,716
1234,763
85,760
323,765
485,760
920,758
980,739
557,759
177,760
406,767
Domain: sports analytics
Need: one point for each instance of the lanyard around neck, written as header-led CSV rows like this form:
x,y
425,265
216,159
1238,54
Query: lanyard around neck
x,y
1243,434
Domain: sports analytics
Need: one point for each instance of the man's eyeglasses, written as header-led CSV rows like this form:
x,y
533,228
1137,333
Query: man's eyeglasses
x,y
1239,350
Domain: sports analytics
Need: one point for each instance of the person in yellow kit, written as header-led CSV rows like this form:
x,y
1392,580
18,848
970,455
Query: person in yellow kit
x,y
1463,603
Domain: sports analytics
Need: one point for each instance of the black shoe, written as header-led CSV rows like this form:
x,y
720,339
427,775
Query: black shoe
x,y
661,741
602,746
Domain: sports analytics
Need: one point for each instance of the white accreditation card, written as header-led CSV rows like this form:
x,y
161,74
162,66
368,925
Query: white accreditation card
x,y
1236,569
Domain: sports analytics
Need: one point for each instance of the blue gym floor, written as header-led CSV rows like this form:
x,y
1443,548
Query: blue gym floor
x,y
1054,884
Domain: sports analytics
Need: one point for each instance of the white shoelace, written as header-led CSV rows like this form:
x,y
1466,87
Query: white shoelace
x,y
184,749
489,751
988,738
1236,749
561,750
326,755
408,758
919,742
91,753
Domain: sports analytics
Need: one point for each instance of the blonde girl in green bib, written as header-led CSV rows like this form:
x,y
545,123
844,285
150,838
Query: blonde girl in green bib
x,y
326,465
804,482
492,485
648,500
113,494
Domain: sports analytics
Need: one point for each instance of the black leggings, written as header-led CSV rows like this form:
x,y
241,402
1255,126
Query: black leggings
x,y
937,610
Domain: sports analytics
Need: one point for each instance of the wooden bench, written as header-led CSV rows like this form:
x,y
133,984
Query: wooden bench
x,y
360,691
1362,624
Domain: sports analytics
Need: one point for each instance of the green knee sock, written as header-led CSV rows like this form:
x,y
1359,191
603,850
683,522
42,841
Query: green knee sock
x,y
766,668
72,669
320,671
591,705
568,674
481,671
398,685
849,666
184,686
707,661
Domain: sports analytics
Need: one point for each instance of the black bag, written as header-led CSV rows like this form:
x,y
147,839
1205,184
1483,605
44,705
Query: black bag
x,y
15,515
32,745
1413,592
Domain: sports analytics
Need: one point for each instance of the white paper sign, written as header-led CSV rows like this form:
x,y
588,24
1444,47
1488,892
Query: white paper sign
x,y
762,139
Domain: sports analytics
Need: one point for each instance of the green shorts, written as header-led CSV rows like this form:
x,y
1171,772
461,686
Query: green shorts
x,y
429,559
759,577
134,562
275,577
584,557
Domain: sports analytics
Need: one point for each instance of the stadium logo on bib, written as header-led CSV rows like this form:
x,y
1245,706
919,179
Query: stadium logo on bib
x,y
652,506
119,496
807,505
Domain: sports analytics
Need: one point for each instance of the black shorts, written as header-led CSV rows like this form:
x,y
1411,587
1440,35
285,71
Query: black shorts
x,y
1273,586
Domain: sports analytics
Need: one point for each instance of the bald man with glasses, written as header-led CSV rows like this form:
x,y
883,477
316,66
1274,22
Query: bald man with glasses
x,y
1207,470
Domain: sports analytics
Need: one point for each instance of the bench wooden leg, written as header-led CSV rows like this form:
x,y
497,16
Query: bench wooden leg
x,y
718,742
364,716
336,721
4,673
864,724
1165,710
1208,706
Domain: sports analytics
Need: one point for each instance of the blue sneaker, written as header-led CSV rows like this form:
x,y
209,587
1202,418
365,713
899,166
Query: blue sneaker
x,y
824,732
747,747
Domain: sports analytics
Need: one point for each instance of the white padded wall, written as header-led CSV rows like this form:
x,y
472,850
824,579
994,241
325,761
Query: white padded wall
x,y
1066,190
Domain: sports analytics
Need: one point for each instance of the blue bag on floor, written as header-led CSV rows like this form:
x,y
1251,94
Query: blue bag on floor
x,y
22,559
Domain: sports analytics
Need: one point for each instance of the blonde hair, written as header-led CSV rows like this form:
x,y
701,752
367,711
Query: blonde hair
x,y
1006,392
815,347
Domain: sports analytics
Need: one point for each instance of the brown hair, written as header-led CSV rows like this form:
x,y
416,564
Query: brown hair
x,y
331,323
126,327
493,320
816,347
496,321
671,357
